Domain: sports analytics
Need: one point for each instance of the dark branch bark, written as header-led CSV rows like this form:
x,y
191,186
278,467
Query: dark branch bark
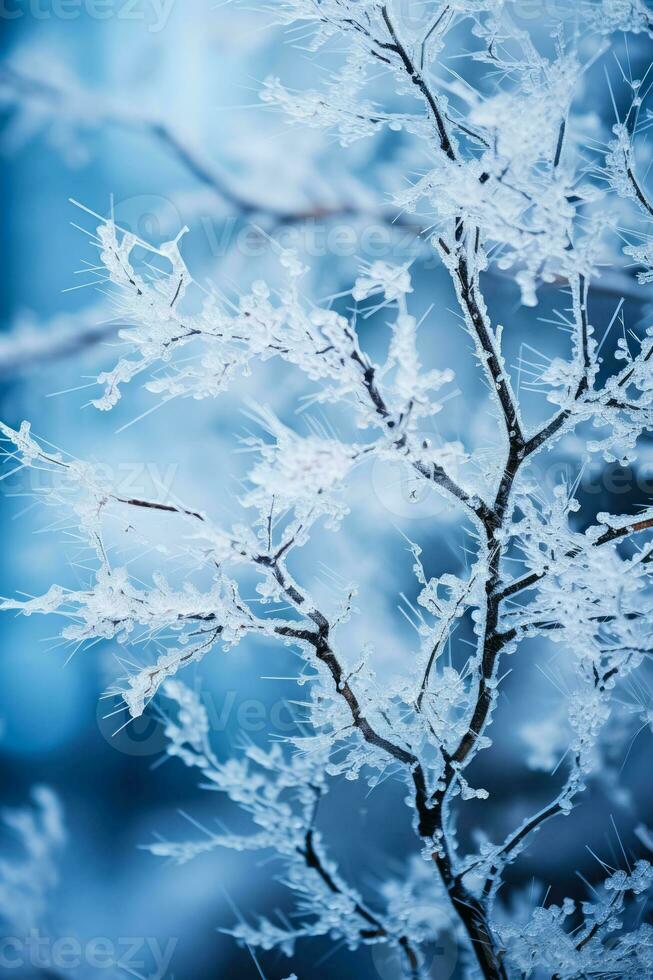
x,y
374,927
420,83
468,289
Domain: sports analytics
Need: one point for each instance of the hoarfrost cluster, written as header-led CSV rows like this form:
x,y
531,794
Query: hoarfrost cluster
x,y
511,189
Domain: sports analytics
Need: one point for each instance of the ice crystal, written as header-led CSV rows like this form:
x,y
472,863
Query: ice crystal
x,y
503,186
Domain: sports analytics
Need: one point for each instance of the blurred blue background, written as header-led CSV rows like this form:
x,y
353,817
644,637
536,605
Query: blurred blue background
x,y
199,69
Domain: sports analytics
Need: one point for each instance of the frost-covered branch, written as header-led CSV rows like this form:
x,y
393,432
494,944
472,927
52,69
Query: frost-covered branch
x,y
282,796
506,189
321,343
598,948
65,99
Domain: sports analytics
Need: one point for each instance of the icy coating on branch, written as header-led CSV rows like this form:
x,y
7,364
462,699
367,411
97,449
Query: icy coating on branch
x,y
508,187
